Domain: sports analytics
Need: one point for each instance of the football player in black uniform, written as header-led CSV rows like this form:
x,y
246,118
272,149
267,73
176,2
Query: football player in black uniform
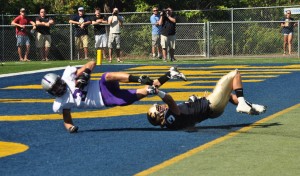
x,y
196,109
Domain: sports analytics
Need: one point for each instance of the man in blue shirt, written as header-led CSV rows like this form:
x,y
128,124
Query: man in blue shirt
x,y
81,23
156,28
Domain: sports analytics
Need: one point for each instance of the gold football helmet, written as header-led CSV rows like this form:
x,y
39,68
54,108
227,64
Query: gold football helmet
x,y
156,115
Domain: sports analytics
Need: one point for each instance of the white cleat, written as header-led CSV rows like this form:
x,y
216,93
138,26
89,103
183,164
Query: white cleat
x,y
259,109
243,107
174,72
251,109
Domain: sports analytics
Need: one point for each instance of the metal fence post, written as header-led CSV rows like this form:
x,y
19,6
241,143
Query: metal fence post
x,y
2,53
205,40
232,38
71,43
298,38
208,39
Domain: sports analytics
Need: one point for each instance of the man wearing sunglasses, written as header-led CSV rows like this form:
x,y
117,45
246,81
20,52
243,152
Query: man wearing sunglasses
x,y
156,29
197,109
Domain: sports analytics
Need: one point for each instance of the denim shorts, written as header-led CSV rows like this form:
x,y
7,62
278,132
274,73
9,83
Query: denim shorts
x,y
22,40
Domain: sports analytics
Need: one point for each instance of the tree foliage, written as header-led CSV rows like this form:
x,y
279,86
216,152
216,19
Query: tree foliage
x,y
70,6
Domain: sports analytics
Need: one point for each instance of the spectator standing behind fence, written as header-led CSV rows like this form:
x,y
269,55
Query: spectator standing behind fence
x,y
116,22
156,28
168,31
43,37
99,31
287,25
21,33
81,23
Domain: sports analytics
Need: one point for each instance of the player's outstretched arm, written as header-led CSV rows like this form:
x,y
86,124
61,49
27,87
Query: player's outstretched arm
x,y
168,99
68,122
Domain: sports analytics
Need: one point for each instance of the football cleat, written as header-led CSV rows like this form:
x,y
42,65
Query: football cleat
x,y
146,80
151,90
73,129
243,107
174,72
260,109
251,109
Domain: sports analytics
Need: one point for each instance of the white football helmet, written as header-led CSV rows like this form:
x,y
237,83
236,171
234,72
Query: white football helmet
x,y
54,85
156,115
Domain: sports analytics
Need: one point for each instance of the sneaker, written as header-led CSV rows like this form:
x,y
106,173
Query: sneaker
x,y
73,129
173,60
151,90
176,74
259,109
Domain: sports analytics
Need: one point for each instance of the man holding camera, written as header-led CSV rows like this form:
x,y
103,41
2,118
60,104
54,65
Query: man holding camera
x,y
116,22
168,31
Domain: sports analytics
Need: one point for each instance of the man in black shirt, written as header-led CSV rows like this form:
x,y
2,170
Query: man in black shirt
x,y
81,23
43,37
197,109
168,22
100,31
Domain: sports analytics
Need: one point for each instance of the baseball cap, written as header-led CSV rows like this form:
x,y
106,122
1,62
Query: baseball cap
x,y
80,8
22,9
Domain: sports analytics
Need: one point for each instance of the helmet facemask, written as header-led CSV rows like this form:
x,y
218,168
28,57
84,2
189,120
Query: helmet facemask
x,y
59,88
156,115
54,85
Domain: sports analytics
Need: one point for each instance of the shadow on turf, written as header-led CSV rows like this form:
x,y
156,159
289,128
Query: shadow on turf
x,y
191,129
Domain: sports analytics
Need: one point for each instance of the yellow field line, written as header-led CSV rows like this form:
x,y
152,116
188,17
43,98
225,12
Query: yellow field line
x,y
212,143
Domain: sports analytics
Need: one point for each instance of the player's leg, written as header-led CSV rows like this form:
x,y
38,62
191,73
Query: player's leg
x,y
221,94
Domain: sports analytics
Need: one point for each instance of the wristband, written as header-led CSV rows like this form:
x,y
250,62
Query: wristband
x,y
161,94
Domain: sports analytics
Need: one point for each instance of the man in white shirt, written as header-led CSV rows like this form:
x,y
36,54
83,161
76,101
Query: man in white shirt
x,y
74,90
116,22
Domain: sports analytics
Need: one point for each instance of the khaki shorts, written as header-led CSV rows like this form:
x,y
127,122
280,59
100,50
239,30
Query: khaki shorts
x,y
167,41
116,38
221,94
155,40
81,41
42,40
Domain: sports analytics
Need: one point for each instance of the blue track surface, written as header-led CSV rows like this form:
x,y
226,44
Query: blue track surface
x,y
122,145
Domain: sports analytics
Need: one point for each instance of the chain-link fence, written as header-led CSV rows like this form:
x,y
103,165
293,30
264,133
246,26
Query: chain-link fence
x,y
206,33
248,38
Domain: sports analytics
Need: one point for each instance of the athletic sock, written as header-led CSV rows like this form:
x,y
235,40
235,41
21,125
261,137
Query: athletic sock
x,y
164,78
239,92
133,78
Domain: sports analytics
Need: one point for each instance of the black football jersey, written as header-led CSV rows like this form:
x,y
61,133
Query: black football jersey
x,y
190,114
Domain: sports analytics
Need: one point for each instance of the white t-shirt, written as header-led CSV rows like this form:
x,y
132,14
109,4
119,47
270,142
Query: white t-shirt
x,y
115,26
71,100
